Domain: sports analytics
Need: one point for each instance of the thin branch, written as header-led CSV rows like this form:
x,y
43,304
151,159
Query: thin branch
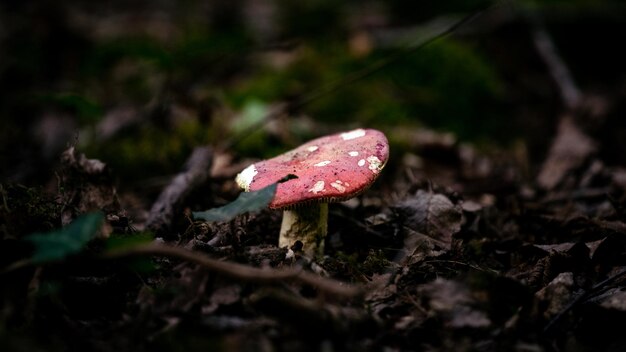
x,y
583,297
475,267
196,171
23,263
241,271
569,91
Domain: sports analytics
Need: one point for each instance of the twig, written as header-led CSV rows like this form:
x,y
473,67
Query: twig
x,y
16,266
583,297
576,195
229,269
475,267
569,91
241,271
196,171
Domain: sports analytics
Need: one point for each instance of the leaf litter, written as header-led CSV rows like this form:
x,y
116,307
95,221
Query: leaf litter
x,y
525,266
454,249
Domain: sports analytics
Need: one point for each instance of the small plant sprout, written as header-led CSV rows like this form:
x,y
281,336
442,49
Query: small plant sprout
x,y
329,169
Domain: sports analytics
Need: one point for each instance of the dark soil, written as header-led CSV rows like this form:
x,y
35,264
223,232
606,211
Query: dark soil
x,y
464,243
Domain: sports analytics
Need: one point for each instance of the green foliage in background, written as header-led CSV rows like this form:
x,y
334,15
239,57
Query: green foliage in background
x,y
85,109
446,85
161,80
57,63
138,152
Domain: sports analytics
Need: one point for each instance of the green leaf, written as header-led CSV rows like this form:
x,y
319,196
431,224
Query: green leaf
x,y
59,244
246,202
252,113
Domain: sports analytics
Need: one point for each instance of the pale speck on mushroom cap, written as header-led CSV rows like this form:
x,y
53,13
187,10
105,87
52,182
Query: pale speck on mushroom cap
x,y
245,177
353,134
338,186
317,187
375,164
322,165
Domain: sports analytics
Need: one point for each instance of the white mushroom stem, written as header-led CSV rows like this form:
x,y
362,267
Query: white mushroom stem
x,y
307,224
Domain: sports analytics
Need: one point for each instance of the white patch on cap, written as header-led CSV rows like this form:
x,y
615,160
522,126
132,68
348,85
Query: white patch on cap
x,y
353,153
245,177
361,162
353,134
323,163
338,186
375,164
317,187
312,148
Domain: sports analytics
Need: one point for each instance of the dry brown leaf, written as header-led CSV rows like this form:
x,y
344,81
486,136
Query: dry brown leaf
x,y
557,294
570,148
617,300
430,220
453,301
86,186
223,295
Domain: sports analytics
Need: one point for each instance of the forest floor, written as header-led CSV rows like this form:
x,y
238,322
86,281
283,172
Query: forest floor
x,y
458,246
487,263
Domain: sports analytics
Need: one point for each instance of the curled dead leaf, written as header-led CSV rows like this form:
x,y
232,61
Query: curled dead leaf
x,y
430,220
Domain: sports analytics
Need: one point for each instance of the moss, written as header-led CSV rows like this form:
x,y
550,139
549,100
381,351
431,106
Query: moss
x,y
107,53
446,85
85,109
353,265
376,262
150,150
139,68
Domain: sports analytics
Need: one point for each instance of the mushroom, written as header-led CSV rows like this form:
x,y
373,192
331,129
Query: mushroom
x,y
329,169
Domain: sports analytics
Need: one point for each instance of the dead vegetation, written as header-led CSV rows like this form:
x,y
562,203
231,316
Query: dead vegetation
x,y
459,246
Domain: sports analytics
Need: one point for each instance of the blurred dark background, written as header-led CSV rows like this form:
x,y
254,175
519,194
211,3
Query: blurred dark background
x,y
138,84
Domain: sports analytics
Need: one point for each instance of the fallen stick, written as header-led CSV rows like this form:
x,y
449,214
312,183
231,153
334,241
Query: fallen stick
x,y
584,296
562,76
241,271
571,146
195,172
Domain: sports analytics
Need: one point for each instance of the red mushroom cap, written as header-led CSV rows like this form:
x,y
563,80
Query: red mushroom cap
x,y
329,169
